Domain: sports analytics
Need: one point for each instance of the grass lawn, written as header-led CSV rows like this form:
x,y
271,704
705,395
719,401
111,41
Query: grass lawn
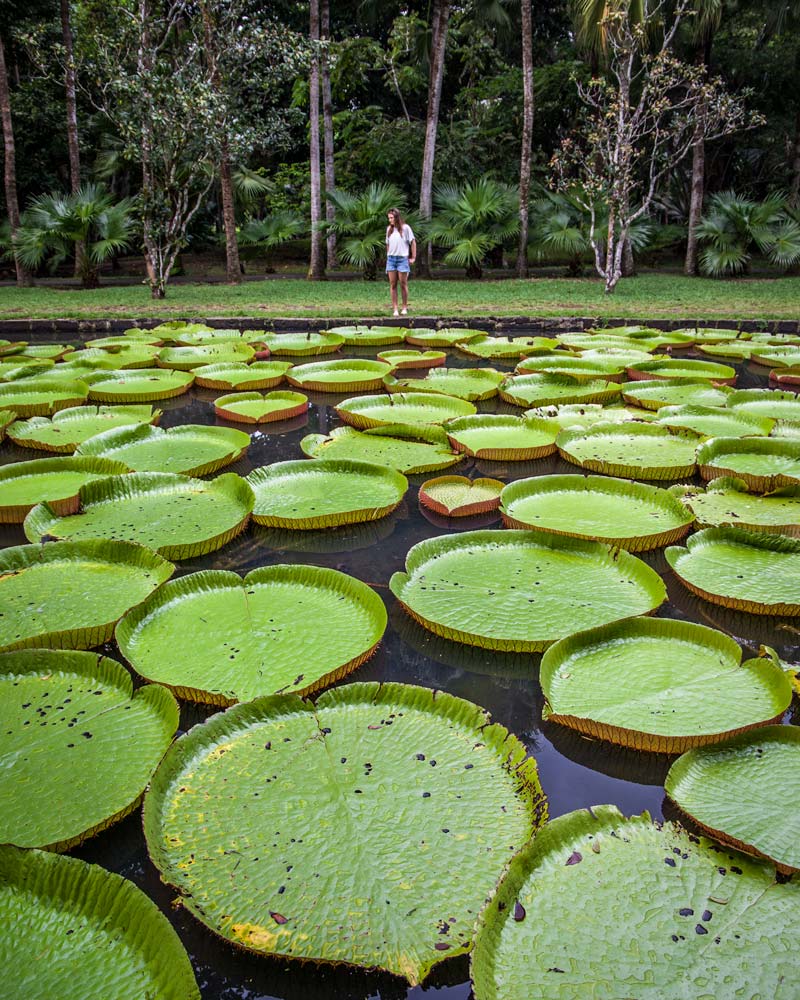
x,y
653,296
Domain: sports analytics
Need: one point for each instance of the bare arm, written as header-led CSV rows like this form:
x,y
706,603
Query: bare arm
x,y
413,255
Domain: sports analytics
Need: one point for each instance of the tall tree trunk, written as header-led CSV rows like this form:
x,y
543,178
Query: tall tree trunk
x,y
327,130
73,148
695,202
794,183
628,263
527,136
316,266
439,20
10,172
233,271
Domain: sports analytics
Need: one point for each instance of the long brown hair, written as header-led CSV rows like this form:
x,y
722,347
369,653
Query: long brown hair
x,y
399,222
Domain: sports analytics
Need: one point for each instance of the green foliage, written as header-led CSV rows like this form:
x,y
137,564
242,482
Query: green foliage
x,y
262,235
361,224
472,220
736,227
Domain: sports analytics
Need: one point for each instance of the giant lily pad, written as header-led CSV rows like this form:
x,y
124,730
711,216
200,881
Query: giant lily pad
x,y
502,437
457,496
581,368
88,934
763,463
134,354
509,589
630,450
7,418
89,586
138,386
442,780
65,430
129,338
659,685
715,421
369,336
776,357
587,414
83,745
766,403
402,408
352,375
187,358
633,515
739,569
674,368
259,375
41,396
708,334
324,494
300,344
407,449
47,352
464,383
739,350
446,337
726,502
626,908
178,516
191,449
413,359
652,395
485,346
22,367
545,390
253,408
55,480
600,341
744,792
788,376
197,338
280,629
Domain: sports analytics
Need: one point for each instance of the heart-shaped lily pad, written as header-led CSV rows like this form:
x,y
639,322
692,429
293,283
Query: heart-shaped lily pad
x,y
83,745
354,375
715,421
446,337
175,515
65,430
766,403
630,450
413,359
258,375
726,502
745,570
744,792
255,408
464,383
187,358
280,629
369,336
410,408
502,438
659,685
89,586
40,396
544,390
485,346
763,463
407,449
671,916
191,449
675,368
634,516
457,496
440,776
651,395
508,589
300,344
55,480
138,386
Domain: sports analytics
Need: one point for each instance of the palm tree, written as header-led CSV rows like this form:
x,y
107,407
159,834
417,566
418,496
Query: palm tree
x,y
736,227
265,234
472,220
52,224
361,224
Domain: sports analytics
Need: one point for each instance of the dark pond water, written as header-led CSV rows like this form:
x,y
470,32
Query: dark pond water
x,y
574,772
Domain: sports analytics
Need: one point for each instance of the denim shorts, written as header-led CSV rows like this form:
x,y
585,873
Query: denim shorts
x,y
398,263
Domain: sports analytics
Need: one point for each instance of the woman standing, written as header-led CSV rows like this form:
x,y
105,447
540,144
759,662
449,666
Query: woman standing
x,y
401,252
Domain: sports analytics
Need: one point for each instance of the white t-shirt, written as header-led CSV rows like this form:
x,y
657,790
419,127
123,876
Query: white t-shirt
x,y
398,244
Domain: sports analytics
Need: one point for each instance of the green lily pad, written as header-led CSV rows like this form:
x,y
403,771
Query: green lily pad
x,y
546,390
132,336
715,421
409,408
191,449
464,383
89,586
457,496
670,916
255,408
765,403
502,438
631,450
763,463
744,570
659,685
446,337
726,502
744,792
299,344
789,376
776,357
738,349
8,347
508,589
681,368
413,359
198,338
406,449
175,326
324,494
581,368
599,341
134,354
708,334
624,356
280,629
83,746
488,347
634,516
138,386
21,367
587,414
369,336
186,358
88,933
96,360
65,430
7,418
47,352
41,397
363,751
258,375
633,330
652,395
175,515
55,480
354,375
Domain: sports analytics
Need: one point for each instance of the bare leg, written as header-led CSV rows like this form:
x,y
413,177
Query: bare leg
x,y
393,288
403,288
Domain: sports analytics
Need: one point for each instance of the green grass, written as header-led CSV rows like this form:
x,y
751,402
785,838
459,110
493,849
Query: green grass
x,y
652,296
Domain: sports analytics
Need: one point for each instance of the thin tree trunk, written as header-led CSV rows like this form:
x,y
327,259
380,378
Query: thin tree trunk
x,y
696,202
327,129
439,20
10,172
794,184
316,266
527,136
628,264
73,147
233,271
